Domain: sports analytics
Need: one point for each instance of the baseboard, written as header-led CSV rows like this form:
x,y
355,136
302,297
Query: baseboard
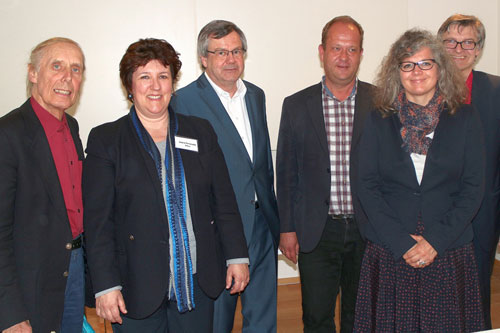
x,y
291,280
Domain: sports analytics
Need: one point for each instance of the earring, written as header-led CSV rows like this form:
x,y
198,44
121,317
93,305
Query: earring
x,y
130,96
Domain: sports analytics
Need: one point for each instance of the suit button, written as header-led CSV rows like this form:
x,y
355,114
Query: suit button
x,y
131,237
327,203
66,273
68,246
328,170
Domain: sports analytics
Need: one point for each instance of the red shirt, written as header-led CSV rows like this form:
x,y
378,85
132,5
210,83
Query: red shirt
x,y
69,168
468,84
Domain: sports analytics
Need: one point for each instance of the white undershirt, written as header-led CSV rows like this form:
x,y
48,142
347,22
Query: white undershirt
x,y
236,108
419,162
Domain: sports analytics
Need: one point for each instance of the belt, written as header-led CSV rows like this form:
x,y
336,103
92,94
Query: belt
x,y
76,243
341,216
255,203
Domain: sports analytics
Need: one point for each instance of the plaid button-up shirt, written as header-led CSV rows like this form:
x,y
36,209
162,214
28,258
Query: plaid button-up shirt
x,y
339,116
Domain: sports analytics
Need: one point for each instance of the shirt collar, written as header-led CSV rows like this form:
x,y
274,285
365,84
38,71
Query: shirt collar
x,y
50,123
241,89
468,84
331,95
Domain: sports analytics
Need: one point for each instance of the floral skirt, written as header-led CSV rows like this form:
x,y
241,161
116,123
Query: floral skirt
x,y
395,297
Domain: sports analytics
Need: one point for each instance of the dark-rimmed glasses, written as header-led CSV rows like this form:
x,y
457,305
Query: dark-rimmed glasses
x,y
467,44
237,53
424,64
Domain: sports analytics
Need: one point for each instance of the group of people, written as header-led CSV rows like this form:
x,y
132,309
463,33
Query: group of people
x,y
389,195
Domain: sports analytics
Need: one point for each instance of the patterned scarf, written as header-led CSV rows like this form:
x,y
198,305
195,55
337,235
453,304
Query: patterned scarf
x,y
418,121
175,189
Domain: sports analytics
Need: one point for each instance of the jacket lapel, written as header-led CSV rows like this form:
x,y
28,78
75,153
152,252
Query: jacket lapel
x,y
362,109
42,157
255,123
220,116
150,168
315,111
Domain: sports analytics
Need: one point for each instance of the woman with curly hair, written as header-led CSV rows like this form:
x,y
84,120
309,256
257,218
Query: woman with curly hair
x,y
420,184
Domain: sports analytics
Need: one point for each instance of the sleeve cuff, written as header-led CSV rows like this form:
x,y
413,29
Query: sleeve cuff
x,y
238,261
104,292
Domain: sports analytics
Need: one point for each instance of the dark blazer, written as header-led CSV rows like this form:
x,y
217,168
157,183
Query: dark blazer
x,y
126,221
200,99
447,198
486,100
303,162
34,224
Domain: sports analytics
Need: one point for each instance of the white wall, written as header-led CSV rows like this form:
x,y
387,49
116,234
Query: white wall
x,y
283,37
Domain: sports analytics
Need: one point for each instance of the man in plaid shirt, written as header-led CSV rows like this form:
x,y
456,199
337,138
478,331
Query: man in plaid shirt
x,y
316,178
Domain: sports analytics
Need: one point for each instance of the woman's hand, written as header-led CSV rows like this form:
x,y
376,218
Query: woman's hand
x,y
241,276
108,306
421,254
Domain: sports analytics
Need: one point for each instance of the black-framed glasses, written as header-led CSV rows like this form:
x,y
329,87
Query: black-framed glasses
x,y
221,53
424,64
467,44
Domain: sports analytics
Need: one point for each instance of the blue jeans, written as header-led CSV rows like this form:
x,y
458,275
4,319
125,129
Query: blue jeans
x,y
74,296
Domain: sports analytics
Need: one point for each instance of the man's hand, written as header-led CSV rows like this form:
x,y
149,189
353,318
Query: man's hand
x,y
289,245
108,306
241,276
421,254
22,327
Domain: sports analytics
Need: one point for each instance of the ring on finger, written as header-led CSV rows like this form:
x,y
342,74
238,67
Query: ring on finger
x,y
421,262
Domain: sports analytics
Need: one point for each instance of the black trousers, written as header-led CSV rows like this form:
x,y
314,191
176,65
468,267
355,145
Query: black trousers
x,y
168,319
334,264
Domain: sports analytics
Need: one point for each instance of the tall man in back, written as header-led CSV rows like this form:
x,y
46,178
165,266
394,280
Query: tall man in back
x,y
484,94
41,210
316,177
236,109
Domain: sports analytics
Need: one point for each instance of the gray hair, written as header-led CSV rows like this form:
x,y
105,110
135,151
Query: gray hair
x,y
462,21
388,79
38,53
218,29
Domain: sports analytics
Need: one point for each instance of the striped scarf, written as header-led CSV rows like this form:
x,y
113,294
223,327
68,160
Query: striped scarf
x,y
181,278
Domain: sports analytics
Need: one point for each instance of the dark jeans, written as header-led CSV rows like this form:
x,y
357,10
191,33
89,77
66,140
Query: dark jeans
x,y
334,263
74,296
168,319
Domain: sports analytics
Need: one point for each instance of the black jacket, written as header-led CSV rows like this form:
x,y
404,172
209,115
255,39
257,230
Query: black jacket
x,y
126,222
34,224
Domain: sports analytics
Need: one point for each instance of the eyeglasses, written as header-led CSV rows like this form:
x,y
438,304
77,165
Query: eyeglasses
x,y
237,53
425,65
465,44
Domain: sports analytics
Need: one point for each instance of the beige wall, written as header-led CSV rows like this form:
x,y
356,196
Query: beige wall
x,y
283,36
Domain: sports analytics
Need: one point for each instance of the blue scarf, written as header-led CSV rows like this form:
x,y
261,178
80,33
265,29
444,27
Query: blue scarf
x,y
175,189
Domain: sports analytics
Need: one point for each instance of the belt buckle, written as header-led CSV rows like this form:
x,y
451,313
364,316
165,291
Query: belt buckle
x,y
76,243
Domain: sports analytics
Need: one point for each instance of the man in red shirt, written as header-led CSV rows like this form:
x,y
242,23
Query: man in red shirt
x,y
463,37
41,211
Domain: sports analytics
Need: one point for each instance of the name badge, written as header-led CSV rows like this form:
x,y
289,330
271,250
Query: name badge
x,y
186,143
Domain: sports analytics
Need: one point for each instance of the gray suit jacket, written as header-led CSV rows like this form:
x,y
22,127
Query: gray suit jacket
x,y
200,99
